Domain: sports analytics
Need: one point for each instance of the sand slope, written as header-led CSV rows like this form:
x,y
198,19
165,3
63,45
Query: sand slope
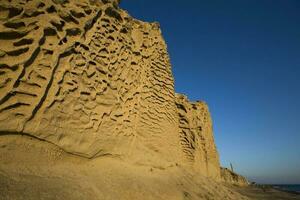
x,y
33,169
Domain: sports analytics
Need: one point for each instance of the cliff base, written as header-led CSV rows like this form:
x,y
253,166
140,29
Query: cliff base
x,y
35,169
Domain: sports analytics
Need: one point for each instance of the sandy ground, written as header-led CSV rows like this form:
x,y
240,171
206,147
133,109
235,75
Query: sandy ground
x,y
31,169
265,194
34,169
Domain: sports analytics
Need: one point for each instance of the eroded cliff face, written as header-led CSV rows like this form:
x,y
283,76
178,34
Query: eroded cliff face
x,y
196,137
87,77
229,176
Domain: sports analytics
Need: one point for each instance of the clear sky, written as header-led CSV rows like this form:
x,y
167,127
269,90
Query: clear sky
x,y
243,58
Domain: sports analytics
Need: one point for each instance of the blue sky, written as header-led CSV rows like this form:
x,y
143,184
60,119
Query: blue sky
x,y
243,58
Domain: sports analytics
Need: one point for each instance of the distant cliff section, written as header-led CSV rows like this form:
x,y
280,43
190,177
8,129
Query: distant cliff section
x,y
196,137
229,176
87,77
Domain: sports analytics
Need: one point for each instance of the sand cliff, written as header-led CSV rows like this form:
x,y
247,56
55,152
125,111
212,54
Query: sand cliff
x,y
92,82
229,176
196,136
88,78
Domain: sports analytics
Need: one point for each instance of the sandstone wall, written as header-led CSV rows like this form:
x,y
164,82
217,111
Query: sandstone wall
x,y
87,77
196,137
229,176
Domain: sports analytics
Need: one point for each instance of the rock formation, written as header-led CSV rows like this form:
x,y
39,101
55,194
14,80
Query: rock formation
x,y
196,135
87,77
91,80
229,176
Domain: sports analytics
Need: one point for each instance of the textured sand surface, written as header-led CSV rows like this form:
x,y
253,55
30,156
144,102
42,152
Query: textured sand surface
x,y
88,109
87,77
196,136
228,176
34,169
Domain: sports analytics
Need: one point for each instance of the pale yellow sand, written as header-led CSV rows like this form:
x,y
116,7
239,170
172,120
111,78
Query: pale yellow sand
x,y
265,194
33,169
84,77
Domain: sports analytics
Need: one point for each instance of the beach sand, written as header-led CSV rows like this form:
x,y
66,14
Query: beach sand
x,y
37,170
259,193
33,169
